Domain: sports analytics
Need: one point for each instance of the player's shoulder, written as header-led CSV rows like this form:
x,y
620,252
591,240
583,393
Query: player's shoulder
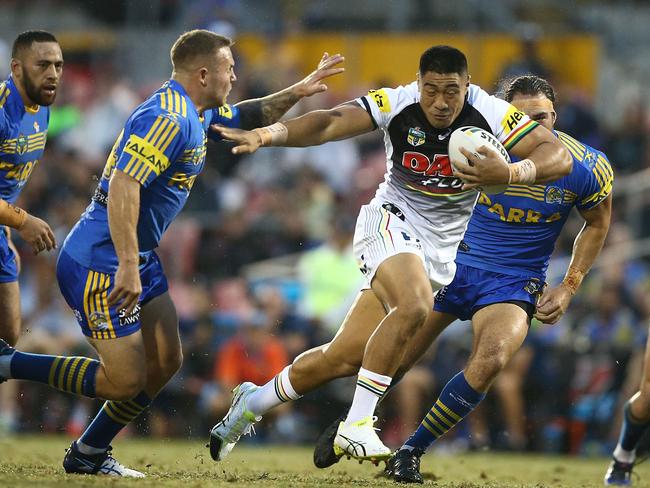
x,y
583,154
5,90
389,99
162,107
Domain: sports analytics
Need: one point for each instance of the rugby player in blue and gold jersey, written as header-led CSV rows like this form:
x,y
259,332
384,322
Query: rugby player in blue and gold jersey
x,y
501,267
108,270
25,97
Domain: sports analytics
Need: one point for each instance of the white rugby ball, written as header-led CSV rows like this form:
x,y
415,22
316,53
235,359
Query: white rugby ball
x,y
471,138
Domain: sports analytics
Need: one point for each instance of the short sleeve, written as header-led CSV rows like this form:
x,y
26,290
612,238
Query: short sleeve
x,y
385,103
226,115
152,143
507,123
597,185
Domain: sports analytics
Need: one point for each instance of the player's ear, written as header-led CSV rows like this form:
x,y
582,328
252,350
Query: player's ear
x,y
469,79
203,76
16,66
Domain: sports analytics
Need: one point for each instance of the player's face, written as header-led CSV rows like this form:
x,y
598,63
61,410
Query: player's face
x,y
221,76
442,96
537,107
38,71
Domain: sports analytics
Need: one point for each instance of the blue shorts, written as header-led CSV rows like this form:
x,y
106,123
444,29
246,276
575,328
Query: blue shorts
x,y
86,292
8,265
473,289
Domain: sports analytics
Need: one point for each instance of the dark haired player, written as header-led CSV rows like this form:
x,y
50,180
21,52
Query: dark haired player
x,y
406,238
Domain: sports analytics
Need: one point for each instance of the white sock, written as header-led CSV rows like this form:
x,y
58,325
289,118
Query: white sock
x,y
5,365
370,388
277,391
89,450
623,456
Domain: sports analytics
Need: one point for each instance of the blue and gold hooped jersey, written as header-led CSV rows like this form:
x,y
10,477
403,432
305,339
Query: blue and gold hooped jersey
x,y
515,232
162,146
22,139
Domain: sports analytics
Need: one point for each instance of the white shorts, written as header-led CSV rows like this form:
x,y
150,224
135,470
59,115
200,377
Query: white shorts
x,y
383,230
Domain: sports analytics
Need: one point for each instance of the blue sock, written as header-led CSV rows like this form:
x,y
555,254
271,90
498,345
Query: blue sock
x,y
70,374
456,400
631,431
112,418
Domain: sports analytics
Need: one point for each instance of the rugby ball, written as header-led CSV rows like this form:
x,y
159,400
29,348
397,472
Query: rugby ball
x,y
471,138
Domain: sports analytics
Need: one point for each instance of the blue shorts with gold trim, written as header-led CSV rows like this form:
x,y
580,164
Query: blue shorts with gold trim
x,y
86,292
8,265
474,288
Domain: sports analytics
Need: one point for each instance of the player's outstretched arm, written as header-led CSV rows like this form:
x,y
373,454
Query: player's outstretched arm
x,y
267,110
586,247
313,128
33,230
123,213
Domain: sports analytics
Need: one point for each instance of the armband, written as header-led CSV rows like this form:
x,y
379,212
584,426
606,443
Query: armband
x,y
272,135
524,172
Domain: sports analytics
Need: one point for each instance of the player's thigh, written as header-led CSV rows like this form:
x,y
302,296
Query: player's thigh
x,y
9,311
360,323
401,280
391,256
499,330
159,325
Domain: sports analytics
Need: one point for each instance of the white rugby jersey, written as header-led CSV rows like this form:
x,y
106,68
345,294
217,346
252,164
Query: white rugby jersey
x,y
418,172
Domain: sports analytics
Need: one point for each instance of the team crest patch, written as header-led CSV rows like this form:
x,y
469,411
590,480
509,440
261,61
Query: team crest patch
x,y
534,287
553,194
416,137
21,144
97,321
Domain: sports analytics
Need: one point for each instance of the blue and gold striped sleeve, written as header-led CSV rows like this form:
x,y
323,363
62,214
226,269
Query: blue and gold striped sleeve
x,y
152,142
227,115
597,176
602,179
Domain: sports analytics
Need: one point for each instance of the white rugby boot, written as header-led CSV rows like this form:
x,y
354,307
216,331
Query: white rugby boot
x,y
237,422
360,441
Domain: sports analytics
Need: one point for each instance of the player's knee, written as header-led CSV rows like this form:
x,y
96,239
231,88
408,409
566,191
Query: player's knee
x,y
495,363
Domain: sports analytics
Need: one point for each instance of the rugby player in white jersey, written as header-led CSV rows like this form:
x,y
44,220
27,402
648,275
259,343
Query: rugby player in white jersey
x,y
406,238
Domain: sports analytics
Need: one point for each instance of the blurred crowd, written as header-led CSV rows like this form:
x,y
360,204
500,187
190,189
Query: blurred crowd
x,y
260,268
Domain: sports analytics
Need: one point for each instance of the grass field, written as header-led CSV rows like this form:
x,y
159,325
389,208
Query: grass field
x,y
36,462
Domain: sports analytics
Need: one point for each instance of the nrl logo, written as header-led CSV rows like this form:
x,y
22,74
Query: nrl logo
x,y
21,144
416,137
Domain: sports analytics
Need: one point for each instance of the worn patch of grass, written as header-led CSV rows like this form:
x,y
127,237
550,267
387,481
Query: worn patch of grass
x,y
29,461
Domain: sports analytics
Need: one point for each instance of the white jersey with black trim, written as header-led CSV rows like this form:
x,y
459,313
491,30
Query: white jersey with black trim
x,y
418,176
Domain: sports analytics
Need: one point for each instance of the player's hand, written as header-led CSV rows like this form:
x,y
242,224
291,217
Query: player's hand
x,y
553,303
481,171
313,84
127,289
38,234
246,141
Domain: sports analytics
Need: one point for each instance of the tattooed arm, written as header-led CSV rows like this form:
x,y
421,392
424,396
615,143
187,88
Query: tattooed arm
x,y
267,110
